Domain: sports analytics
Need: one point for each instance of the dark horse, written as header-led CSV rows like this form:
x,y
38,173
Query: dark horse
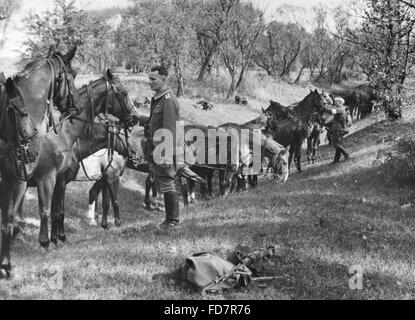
x,y
43,84
293,131
54,155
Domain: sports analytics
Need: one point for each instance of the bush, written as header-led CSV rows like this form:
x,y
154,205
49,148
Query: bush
x,y
400,162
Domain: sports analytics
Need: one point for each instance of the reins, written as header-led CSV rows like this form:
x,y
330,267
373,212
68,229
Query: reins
x,y
113,128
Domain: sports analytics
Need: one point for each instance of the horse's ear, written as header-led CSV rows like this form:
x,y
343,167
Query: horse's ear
x,y
109,74
52,50
316,91
2,77
311,91
70,54
11,88
263,111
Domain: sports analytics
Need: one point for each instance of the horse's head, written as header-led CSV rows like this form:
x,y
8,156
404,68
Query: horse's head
x,y
273,109
278,156
270,126
313,105
51,79
119,103
16,111
279,164
66,79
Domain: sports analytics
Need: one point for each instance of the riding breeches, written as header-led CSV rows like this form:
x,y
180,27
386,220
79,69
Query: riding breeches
x,y
165,177
337,139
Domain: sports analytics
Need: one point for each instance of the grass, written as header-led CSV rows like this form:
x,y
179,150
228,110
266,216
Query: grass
x,y
324,221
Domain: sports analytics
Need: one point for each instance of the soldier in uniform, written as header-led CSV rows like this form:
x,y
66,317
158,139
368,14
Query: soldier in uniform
x,y
338,128
164,113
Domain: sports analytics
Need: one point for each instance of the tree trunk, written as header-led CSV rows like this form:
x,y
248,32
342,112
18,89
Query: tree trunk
x,y
241,77
179,77
297,80
205,65
232,88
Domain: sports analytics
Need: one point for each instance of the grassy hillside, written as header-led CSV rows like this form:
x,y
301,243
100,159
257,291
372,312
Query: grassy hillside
x,y
324,221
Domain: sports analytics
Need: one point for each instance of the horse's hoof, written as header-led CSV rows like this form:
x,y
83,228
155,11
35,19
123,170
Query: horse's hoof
x,y
92,223
150,207
44,244
54,240
5,271
117,223
104,225
62,238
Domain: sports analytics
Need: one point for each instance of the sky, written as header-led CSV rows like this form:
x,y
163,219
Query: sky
x,y
15,35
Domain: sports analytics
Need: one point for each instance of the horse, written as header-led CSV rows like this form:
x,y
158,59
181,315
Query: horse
x,y
43,84
54,157
293,131
112,168
267,147
98,138
207,172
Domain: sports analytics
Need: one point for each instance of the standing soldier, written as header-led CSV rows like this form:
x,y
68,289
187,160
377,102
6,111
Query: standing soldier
x,y
338,128
164,114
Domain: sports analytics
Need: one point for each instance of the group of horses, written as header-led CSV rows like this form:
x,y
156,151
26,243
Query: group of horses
x,y
48,127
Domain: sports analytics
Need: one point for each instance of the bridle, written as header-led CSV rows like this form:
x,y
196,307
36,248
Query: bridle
x,y
113,127
56,87
60,87
20,149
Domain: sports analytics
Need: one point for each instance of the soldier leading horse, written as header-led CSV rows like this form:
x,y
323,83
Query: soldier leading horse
x,y
293,131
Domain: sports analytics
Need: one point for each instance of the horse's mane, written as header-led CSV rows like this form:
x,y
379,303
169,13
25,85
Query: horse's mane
x,y
38,61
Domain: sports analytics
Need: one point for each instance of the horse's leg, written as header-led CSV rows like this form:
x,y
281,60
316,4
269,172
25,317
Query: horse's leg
x,y
20,210
234,183
253,180
316,144
298,158
149,187
309,149
45,189
190,192
209,178
290,158
93,197
184,190
113,179
12,195
58,212
105,203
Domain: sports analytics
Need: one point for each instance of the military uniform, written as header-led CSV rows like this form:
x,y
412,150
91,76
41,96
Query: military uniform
x,y
164,113
338,130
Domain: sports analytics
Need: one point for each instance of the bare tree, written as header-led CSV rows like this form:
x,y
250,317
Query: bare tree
x,y
243,28
7,8
210,31
279,47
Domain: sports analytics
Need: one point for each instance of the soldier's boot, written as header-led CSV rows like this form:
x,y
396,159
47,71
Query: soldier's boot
x,y
171,203
343,151
337,156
